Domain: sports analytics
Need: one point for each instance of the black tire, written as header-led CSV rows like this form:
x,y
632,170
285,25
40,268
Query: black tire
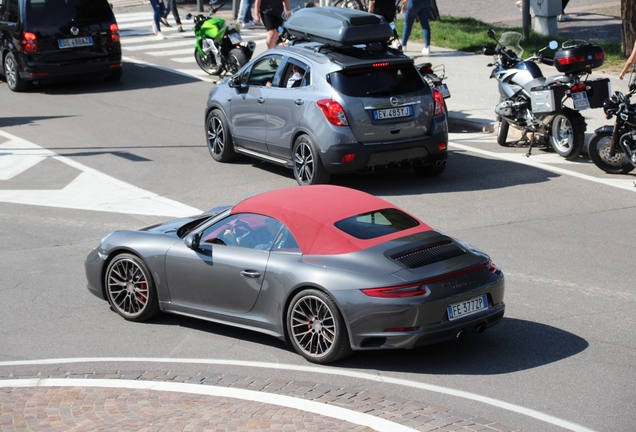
x,y
218,137
208,65
429,170
567,133
12,74
316,327
130,289
502,132
237,59
308,168
114,76
599,151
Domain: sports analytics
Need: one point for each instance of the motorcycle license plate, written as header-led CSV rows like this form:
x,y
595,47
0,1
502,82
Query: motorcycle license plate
x,y
392,113
75,42
235,38
467,307
443,89
581,101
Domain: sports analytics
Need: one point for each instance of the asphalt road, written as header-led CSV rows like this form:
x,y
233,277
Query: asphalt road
x,y
562,233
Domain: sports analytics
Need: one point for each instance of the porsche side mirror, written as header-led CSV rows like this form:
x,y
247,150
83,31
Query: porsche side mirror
x,y
192,241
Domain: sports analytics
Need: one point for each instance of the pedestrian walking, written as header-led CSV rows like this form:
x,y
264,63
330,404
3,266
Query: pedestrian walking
x,y
246,19
270,13
159,9
420,9
386,9
172,7
629,63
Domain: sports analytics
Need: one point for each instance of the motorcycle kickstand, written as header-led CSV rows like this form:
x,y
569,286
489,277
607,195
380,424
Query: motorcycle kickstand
x,y
531,144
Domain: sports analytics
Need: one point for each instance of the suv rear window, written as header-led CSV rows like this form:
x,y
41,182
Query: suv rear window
x,y
376,223
389,80
56,12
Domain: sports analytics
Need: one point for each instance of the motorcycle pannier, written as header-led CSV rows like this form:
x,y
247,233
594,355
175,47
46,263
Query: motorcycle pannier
x,y
546,100
598,91
338,26
582,57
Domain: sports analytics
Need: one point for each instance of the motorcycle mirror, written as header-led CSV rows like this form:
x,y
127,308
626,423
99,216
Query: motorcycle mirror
x,y
492,34
553,45
189,16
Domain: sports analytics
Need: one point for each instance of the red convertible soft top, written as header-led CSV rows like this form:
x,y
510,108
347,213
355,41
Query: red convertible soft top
x,y
311,211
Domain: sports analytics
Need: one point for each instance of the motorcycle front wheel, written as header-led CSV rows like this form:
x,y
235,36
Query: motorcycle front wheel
x,y
502,132
237,59
599,150
207,64
567,133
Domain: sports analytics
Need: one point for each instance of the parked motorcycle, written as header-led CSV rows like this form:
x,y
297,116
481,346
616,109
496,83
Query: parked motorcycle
x,y
613,148
435,76
534,104
219,48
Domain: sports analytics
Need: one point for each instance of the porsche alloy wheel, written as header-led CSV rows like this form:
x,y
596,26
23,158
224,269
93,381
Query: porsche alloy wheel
x,y
130,289
218,137
316,327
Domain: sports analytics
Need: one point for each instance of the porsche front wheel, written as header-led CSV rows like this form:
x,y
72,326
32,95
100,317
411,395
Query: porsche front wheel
x,y
130,288
316,327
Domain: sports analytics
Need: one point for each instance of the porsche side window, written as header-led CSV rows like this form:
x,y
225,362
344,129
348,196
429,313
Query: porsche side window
x,y
376,224
264,71
285,242
245,230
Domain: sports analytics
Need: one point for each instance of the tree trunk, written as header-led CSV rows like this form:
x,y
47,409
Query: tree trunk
x,y
628,32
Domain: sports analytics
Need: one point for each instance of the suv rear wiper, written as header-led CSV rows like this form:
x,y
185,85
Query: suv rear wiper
x,y
377,92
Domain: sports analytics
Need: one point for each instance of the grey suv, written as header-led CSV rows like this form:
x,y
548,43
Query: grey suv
x,y
324,109
48,39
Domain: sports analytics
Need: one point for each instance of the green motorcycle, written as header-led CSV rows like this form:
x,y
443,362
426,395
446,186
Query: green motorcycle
x,y
219,46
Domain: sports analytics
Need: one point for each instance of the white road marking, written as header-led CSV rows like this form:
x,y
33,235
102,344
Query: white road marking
x,y
376,423
177,43
166,53
545,162
90,190
320,370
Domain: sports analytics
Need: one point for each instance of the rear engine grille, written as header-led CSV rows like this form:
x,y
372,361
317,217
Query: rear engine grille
x,y
429,255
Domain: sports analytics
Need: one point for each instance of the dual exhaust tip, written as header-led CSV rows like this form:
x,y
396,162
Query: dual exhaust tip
x,y
479,328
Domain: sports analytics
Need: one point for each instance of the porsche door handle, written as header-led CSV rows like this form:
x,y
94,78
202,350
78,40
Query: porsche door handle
x,y
251,274
299,102
260,100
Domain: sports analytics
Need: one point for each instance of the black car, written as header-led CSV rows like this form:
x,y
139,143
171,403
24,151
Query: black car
x,y
49,39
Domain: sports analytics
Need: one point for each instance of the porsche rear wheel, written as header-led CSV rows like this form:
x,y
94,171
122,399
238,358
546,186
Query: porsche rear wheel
x,y
316,327
130,289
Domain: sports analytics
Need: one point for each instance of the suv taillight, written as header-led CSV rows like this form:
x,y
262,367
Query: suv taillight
x,y
438,99
114,33
333,111
30,42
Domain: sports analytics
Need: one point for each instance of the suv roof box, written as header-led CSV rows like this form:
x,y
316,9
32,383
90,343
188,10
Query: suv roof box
x,y
338,26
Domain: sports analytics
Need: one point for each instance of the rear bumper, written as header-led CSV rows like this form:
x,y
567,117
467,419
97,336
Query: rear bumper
x,y
32,71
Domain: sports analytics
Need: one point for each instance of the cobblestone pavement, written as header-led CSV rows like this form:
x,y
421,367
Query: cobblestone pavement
x,y
86,408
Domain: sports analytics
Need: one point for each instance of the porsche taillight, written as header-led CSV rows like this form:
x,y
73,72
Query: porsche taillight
x,y
411,290
333,111
30,42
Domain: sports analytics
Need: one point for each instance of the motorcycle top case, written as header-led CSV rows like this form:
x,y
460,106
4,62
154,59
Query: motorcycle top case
x,y
338,26
577,58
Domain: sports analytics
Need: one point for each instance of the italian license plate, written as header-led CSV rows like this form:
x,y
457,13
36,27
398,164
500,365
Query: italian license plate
x,y
75,42
393,113
467,307
443,89
235,38
581,101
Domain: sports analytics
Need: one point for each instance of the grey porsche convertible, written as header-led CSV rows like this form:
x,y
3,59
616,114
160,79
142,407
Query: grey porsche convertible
x,y
329,269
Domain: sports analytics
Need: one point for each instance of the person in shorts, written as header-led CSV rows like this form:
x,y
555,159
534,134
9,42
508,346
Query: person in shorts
x,y
270,13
